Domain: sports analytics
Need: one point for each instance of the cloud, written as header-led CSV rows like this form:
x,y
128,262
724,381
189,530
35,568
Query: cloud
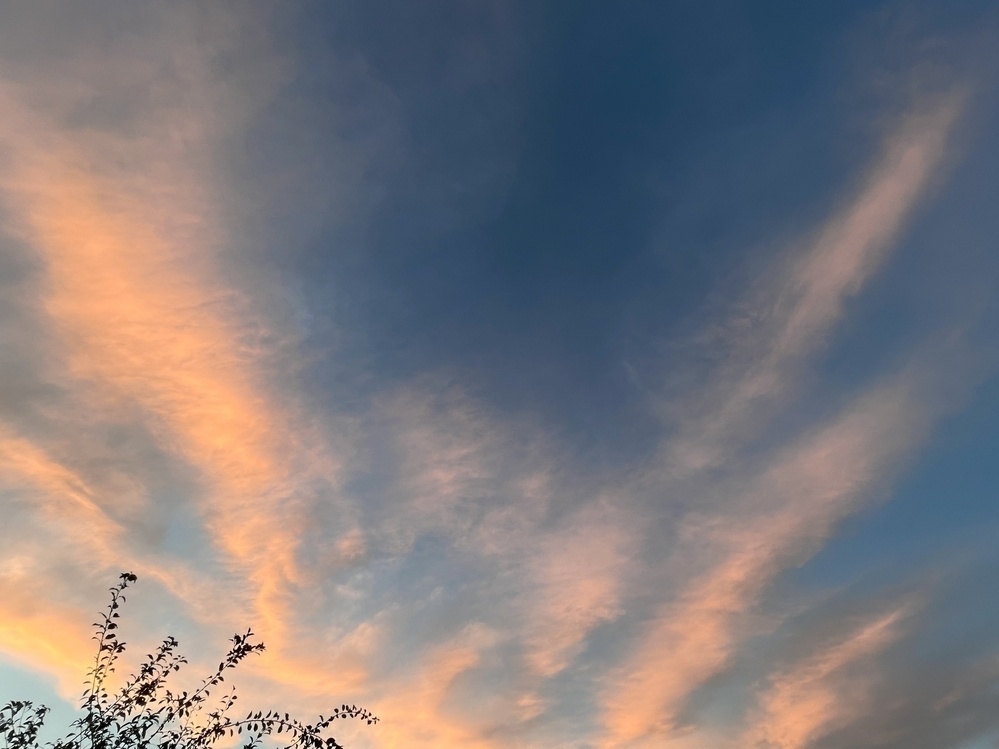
x,y
823,691
780,519
935,683
578,576
39,633
450,463
789,316
779,516
125,219
490,487
66,499
922,707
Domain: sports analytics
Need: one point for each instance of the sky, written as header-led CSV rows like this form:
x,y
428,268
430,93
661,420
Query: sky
x,y
576,375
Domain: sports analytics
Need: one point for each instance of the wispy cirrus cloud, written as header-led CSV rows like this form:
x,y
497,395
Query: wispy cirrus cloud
x,y
126,225
66,498
790,314
579,572
39,633
824,691
729,558
778,516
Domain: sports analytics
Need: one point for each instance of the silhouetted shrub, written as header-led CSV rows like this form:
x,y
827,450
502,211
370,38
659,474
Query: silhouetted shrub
x,y
145,714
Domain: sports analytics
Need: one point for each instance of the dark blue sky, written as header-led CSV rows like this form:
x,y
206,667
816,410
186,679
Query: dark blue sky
x,y
575,175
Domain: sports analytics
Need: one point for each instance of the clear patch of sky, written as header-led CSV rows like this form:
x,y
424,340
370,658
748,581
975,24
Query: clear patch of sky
x,y
17,682
571,179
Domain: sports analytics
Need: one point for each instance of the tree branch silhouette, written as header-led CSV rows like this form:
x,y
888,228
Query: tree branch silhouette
x,y
145,714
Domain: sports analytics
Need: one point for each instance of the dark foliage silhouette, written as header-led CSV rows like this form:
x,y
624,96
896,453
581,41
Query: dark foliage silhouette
x,y
145,714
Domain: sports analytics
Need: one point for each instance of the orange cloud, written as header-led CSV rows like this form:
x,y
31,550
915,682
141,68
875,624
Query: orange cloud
x,y
133,291
781,519
790,316
62,495
44,636
418,714
75,529
816,695
577,575
787,512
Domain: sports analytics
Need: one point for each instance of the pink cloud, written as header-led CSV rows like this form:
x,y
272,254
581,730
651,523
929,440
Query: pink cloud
x,y
786,512
821,692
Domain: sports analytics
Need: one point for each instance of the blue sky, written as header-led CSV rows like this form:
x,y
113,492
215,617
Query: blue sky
x,y
584,375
